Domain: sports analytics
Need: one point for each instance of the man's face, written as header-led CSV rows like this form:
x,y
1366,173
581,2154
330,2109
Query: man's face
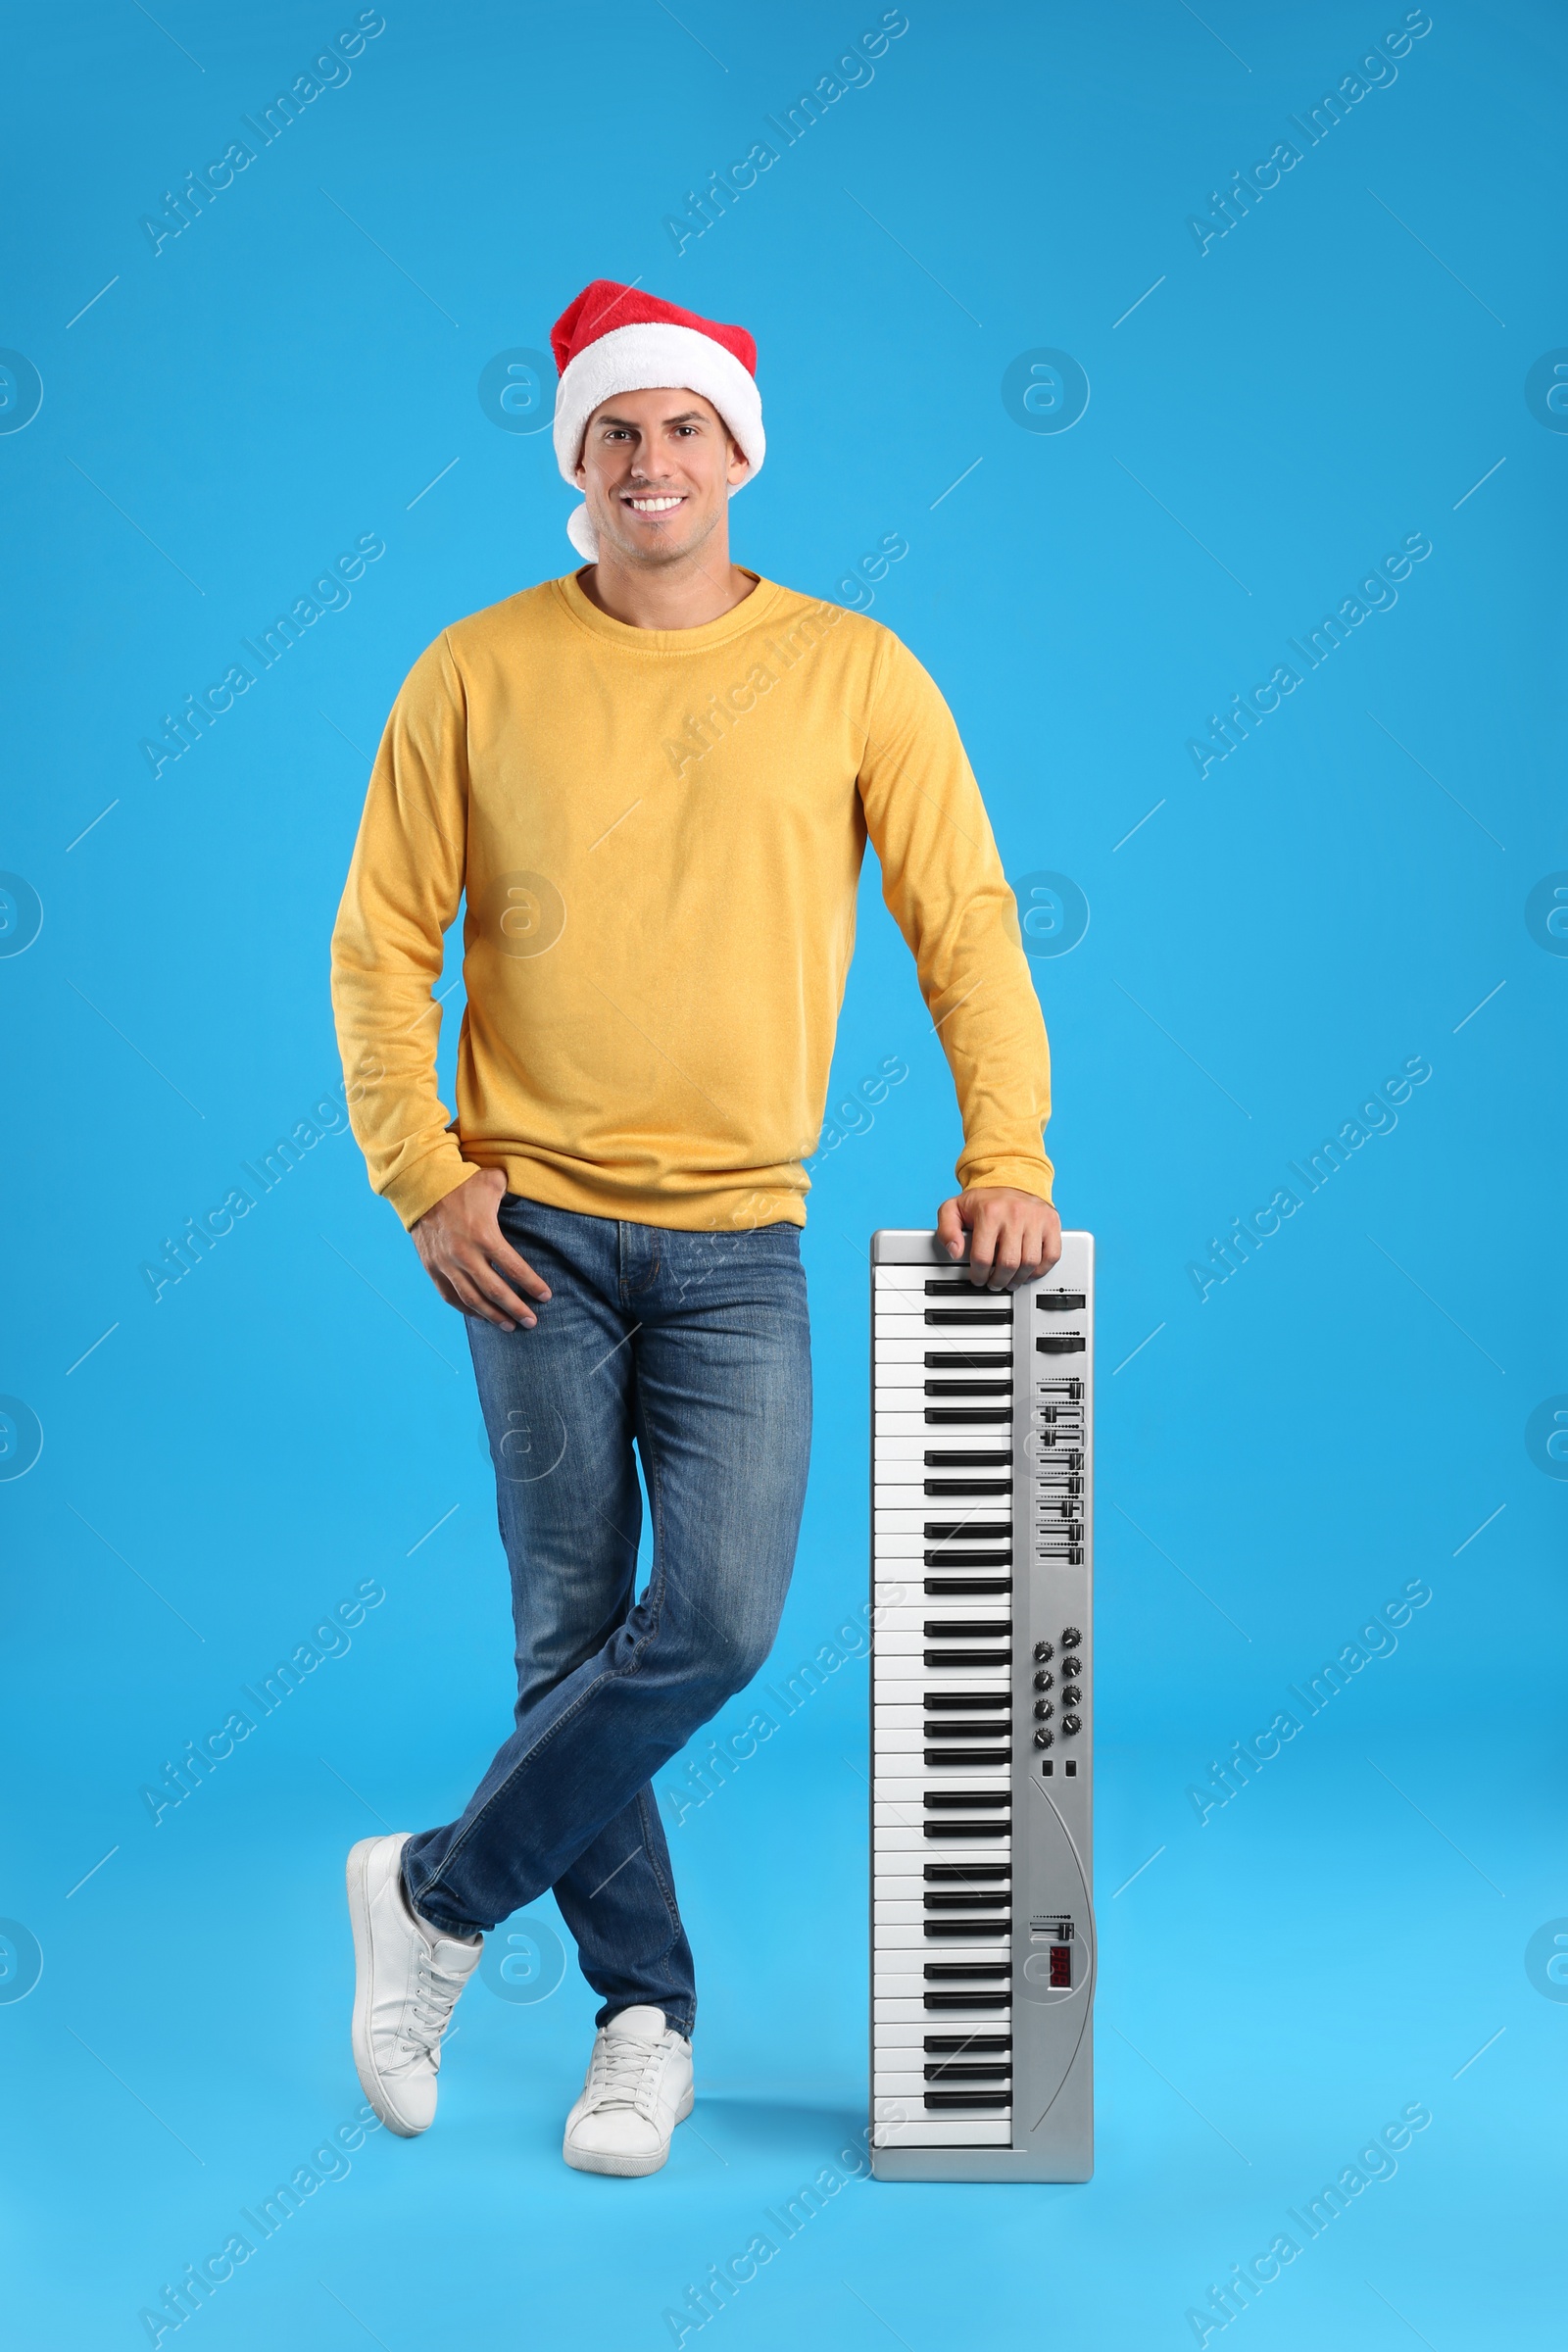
x,y
655,470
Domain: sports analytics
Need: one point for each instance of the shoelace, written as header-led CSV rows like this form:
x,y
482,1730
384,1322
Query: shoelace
x,y
431,2006
625,2073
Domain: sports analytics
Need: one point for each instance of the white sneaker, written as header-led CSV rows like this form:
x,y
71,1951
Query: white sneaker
x,y
407,1976
639,2087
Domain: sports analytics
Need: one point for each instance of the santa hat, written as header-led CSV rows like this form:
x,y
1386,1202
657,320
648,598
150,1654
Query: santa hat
x,y
612,339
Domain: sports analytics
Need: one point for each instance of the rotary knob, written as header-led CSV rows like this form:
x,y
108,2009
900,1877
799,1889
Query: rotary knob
x,y
1044,1679
1044,1651
1042,1739
1071,1723
1044,1710
1071,1638
1071,1694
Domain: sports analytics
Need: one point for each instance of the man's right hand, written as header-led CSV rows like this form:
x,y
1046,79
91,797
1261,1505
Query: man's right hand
x,y
465,1254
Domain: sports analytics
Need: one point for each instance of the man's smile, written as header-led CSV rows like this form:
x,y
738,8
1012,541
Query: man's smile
x,y
648,502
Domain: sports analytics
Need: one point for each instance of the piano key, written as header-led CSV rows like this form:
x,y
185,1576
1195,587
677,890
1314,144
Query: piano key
x,y
976,1312
918,1411
906,1626
958,2132
910,1903
937,2042
909,2082
900,1740
933,1526
911,1936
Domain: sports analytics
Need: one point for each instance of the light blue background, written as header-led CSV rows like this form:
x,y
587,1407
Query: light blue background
x,y
1273,942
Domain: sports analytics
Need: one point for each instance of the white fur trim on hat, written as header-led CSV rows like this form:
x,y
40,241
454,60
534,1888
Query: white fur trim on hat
x,y
642,359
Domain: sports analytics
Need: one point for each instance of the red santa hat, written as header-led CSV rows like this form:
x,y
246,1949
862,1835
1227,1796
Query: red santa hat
x,y
613,339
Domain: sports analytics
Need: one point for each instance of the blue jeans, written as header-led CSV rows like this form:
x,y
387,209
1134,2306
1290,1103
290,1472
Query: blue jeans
x,y
697,1346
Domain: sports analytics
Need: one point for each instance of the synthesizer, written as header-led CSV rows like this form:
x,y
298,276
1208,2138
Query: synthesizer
x,y
982,1721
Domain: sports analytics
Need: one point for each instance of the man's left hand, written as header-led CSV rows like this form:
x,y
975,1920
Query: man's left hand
x,y
1013,1237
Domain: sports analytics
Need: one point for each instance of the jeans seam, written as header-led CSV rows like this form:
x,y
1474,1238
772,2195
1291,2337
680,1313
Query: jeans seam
x,y
665,1887
655,1508
610,1673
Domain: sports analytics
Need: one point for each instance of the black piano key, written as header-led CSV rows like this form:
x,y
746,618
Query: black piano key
x,y
959,1702
968,2070
998,1487
959,1416
934,2002
939,1587
958,2045
943,1972
940,1286
1002,1733
961,1899
960,1628
968,1360
990,1457
969,1531
968,1388
949,2099
965,1872
968,1931
983,1800
966,1755
967,1657
968,1828
949,1317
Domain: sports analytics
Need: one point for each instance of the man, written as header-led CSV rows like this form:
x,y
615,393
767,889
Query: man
x,y
653,781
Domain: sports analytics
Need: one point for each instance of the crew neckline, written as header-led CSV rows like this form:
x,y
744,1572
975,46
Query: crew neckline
x,y
762,603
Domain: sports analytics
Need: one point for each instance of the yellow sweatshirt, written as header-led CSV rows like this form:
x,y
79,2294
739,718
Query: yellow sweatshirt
x,y
659,833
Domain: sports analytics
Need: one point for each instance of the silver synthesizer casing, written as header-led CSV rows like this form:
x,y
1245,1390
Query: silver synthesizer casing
x,y
1015,2001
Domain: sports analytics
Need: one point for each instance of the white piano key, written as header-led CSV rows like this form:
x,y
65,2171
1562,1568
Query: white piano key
x,y
909,1937
901,1629
889,1311
906,1495
895,1739
902,1696
981,1524
913,1348
911,1666
906,1417
899,1999
909,2082
910,1910
896,1847
903,1555
887,2038
958,2131
904,1623
914,1448
909,1780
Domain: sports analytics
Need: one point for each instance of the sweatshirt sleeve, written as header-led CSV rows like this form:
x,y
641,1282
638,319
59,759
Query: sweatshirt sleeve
x,y
403,892
944,885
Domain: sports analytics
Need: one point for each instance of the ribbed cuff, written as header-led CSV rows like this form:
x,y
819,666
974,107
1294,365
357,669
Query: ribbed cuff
x,y
1034,1176
420,1188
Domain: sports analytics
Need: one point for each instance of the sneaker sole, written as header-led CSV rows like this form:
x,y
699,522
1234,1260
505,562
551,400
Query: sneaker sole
x,y
363,2062
625,2167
